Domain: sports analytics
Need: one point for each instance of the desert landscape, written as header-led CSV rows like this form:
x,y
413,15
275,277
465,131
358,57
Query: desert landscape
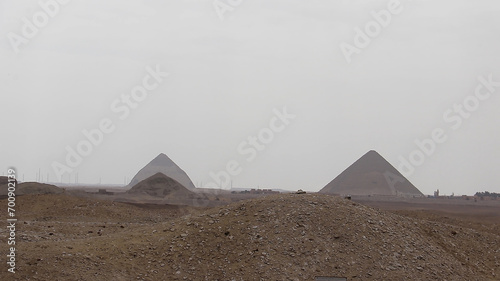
x,y
276,237
157,229
236,140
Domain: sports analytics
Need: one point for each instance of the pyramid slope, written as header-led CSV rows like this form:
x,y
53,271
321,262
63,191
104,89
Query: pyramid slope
x,y
163,164
160,185
371,175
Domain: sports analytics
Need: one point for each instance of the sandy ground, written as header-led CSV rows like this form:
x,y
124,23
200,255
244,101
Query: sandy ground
x,y
277,237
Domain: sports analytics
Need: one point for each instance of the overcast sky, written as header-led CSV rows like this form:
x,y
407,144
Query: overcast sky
x,y
231,70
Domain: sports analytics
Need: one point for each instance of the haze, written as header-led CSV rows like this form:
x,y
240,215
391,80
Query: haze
x,y
227,77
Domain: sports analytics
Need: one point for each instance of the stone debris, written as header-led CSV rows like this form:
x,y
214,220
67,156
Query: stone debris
x,y
279,237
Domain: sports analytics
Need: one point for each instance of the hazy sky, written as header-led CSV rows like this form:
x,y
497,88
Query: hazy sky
x,y
229,72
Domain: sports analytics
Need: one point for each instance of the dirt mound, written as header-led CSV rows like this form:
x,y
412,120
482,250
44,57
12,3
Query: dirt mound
x,y
371,175
163,164
33,188
281,237
5,180
63,207
166,188
52,218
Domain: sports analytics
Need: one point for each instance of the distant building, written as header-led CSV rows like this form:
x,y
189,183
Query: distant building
x,y
104,192
436,193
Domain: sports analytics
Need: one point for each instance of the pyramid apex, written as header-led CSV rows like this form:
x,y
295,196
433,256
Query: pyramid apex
x,y
373,154
159,175
163,164
162,159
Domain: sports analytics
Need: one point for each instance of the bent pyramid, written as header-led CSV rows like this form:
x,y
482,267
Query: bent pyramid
x,y
371,175
163,164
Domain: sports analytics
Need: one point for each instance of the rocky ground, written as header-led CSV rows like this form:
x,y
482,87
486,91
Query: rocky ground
x,y
280,237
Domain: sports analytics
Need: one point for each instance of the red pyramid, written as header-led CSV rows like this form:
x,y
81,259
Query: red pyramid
x,y
371,175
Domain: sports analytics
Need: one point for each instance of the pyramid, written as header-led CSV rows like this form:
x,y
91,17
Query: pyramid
x,y
160,185
163,164
371,175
